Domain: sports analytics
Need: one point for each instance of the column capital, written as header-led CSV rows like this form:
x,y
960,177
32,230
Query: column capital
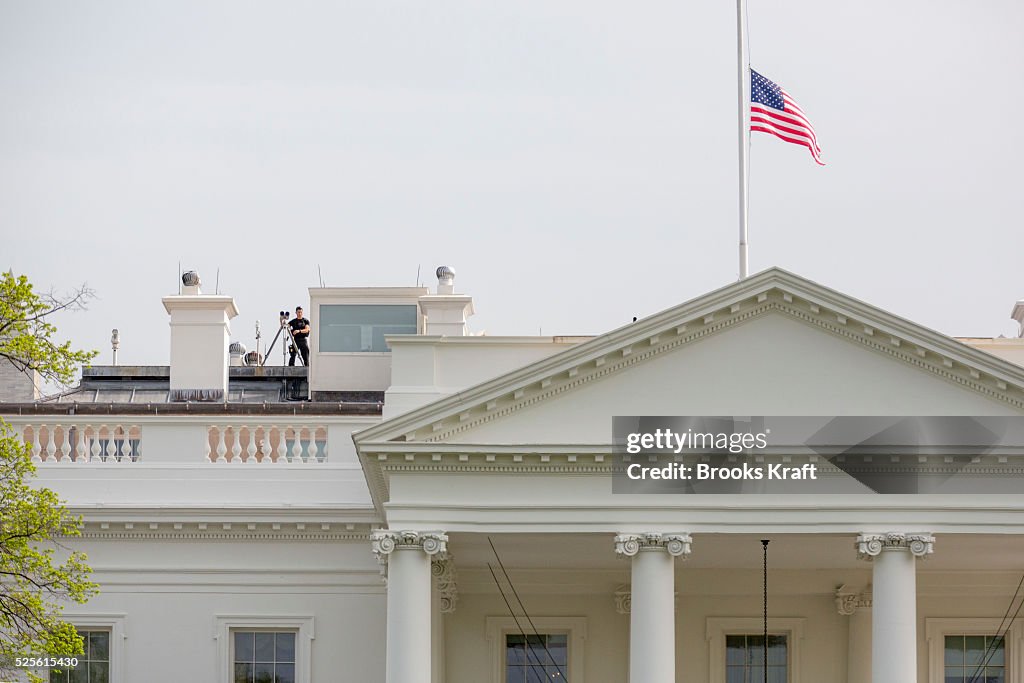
x,y
675,544
442,568
848,604
870,546
386,541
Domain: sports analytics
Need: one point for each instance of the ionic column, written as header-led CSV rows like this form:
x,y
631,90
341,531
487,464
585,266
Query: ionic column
x,y
857,606
652,625
407,556
894,602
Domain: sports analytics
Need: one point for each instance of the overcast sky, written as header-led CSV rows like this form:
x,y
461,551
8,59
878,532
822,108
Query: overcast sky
x,y
575,162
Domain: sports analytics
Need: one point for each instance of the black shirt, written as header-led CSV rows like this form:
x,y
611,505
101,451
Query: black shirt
x,y
298,324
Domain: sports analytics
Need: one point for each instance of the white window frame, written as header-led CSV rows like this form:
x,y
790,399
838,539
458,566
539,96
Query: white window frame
x,y
225,624
936,629
115,624
718,628
574,627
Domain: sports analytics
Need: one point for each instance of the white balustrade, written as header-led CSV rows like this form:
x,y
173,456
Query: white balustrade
x,y
79,441
274,444
82,440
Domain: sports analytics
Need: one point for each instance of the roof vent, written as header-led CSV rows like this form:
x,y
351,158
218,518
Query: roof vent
x,y
236,350
191,281
445,280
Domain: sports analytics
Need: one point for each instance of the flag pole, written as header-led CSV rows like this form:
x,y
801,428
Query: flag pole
x,y
743,67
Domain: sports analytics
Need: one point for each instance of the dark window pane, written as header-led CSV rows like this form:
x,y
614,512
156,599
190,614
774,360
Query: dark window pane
x,y
58,677
953,678
776,650
99,672
954,650
735,650
515,649
994,675
974,650
995,651
99,646
265,647
734,674
285,673
557,673
536,674
243,673
264,672
244,646
558,647
776,674
514,674
285,647
79,674
755,650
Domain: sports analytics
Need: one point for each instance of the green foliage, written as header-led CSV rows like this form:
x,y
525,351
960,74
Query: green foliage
x,y
34,581
27,335
37,574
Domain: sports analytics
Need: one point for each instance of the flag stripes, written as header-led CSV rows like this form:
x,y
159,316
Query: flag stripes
x,y
773,111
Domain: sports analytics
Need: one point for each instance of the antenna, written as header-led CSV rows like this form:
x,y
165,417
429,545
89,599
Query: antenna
x,y
216,288
320,275
418,266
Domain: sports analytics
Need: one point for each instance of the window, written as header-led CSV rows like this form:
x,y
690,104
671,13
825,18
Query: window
x,y
744,659
965,649
974,659
361,327
93,665
536,658
518,658
736,649
264,648
263,656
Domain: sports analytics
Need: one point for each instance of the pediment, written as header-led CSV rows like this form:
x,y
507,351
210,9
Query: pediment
x,y
773,344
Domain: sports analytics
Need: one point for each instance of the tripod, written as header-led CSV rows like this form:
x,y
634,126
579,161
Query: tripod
x,y
284,326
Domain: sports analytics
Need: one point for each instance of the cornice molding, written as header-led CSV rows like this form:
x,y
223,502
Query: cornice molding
x,y
221,531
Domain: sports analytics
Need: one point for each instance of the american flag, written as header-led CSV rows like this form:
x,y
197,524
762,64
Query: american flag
x,y
773,111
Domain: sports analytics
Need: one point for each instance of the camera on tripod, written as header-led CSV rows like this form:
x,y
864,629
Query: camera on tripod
x,y
289,345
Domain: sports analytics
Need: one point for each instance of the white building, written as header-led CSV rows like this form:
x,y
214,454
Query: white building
x,y
239,540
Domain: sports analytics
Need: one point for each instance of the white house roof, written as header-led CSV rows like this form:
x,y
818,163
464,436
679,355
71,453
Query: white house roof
x,y
996,385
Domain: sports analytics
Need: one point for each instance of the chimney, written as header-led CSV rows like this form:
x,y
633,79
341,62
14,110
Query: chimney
x,y
446,312
1018,315
200,332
